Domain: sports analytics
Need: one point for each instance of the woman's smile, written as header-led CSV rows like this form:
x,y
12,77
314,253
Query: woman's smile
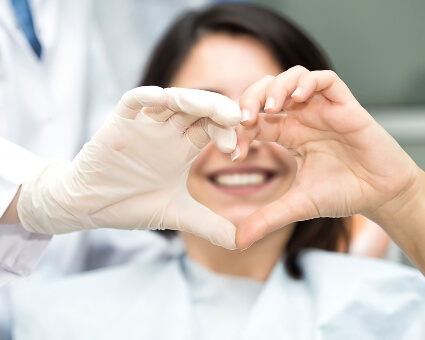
x,y
228,65
241,180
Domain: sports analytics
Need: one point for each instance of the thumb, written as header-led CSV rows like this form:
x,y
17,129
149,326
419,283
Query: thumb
x,y
293,206
195,218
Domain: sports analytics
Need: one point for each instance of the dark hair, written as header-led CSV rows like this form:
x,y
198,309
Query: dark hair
x,y
290,46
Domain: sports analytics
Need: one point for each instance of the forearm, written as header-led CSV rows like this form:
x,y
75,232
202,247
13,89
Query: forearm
x,y
403,218
10,216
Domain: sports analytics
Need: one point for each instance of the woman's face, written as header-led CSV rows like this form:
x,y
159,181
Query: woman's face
x,y
228,65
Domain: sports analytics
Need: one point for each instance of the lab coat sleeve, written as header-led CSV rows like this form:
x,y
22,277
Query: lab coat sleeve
x,y
20,250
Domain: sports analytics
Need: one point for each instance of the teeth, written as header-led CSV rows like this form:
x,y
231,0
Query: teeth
x,y
241,180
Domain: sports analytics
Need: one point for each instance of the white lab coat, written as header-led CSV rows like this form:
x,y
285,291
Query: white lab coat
x,y
341,297
93,51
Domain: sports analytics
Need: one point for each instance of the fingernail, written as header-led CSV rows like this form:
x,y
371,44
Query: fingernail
x,y
297,92
236,153
270,103
245,115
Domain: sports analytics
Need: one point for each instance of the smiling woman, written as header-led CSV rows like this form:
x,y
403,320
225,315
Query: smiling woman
x,y
225,50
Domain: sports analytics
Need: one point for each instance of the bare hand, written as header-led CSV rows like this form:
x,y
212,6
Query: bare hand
x,y
347,163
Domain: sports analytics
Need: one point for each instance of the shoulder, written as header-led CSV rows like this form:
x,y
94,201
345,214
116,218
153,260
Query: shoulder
x,y
133,276
319,262
369,296
62,306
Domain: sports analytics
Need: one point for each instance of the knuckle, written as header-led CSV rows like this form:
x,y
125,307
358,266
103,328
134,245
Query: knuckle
x,y
299,68
267,77
330,73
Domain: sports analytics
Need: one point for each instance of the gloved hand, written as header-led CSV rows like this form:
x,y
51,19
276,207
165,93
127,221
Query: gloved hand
x,y
132,174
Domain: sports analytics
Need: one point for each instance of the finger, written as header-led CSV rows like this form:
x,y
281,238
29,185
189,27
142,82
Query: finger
x,y
279,90
245,136
158,113
292,207
182,121
224,138
219,108
327,82
253,100
197,219
205,130
133,101
268,128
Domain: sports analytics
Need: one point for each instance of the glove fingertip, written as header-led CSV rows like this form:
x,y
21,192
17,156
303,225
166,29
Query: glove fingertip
x,y
224,139
133,101
224,236
151,95
227,112
197,219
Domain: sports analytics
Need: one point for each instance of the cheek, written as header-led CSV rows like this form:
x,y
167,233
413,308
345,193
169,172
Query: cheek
x,y
287,162
286,157
201,162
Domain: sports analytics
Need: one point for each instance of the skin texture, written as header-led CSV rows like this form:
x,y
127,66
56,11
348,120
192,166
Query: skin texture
x,y
228,65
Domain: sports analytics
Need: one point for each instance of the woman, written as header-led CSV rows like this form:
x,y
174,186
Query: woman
x,y
276,288
289,47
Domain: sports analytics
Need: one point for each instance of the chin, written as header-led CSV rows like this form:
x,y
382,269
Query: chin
x,y
237,215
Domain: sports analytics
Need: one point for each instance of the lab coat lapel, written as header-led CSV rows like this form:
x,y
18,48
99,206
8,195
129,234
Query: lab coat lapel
x,y
283,310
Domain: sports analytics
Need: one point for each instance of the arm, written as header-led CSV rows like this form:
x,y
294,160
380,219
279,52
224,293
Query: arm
x,y
403,217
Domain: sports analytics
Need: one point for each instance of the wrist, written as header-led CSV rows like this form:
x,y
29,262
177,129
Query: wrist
x,y
403,206
403,218
42,202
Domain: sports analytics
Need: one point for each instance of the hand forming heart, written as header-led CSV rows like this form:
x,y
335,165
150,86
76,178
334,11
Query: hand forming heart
x,y
347,163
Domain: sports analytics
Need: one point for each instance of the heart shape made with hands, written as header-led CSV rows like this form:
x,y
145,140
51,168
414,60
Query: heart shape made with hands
x,y
132,174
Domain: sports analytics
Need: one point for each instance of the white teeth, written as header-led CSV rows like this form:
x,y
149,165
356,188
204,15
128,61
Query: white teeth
x,y
241,180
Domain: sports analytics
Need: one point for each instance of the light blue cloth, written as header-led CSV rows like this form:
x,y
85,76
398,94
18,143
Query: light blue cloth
x,y
71,254
218,297
341,297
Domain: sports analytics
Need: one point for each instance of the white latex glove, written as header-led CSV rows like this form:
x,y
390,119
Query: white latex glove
x,y
132,174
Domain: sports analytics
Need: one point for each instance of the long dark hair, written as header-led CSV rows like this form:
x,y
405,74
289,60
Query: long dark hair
x,y
290,47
